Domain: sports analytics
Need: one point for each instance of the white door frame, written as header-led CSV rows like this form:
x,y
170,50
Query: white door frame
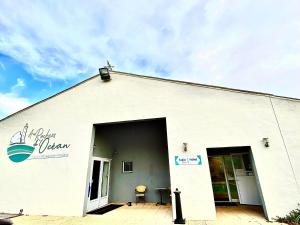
x,y
99,201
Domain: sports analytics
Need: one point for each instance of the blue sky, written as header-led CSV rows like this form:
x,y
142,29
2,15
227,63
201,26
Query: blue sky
x,y
47,46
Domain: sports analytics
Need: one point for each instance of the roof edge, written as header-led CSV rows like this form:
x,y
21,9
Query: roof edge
x,y
154,78
207,85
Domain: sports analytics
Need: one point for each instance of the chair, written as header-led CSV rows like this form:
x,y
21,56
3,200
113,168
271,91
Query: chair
x,y
140,193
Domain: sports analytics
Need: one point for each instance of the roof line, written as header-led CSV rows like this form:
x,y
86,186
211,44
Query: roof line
x,y
207,85
153,78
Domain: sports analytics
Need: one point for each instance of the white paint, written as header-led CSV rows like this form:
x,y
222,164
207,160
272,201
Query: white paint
x,y
247,188
200,116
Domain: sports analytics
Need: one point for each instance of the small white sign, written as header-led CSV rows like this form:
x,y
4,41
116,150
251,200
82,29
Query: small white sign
x,y
188,160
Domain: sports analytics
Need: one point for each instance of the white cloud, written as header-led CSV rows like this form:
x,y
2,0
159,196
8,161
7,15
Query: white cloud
x,y
243,44
18,86
11,102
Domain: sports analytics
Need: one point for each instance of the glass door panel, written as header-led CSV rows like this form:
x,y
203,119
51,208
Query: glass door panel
x,y
95,180
105,179
228,167
233,192
218,178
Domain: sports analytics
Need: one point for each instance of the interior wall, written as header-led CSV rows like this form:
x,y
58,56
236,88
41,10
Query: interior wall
x,y
145,144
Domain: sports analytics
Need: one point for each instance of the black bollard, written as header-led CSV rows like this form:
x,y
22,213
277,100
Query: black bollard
x,y
179,219
5,222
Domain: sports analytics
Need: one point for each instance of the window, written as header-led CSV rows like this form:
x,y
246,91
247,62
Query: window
x,y
247,162
127,167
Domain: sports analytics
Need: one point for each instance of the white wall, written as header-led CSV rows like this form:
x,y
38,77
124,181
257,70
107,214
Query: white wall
x,y
288,115
202,117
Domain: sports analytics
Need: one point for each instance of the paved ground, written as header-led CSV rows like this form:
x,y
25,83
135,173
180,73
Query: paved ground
x,y
240,215
141,214
150,214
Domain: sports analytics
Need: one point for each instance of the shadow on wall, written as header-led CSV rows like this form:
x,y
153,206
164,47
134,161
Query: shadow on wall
x,y
144,143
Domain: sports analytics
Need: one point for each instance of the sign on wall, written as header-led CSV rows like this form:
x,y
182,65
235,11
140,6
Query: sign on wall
x,y
188,160
35,144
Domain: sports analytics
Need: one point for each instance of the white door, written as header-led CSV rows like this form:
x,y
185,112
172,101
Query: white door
x,y
104,182
98,184
248,192
245,180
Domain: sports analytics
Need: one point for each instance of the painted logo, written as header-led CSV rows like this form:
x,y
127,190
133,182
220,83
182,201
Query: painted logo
x,y
18,151
35,144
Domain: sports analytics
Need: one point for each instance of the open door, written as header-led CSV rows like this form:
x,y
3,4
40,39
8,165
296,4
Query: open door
x,y
232,176
105,183
245,180
98,184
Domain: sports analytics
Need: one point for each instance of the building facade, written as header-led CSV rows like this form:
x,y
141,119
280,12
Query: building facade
x,y
212,143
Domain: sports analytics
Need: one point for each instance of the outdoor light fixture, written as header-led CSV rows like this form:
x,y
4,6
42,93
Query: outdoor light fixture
x,y
266,142
104,74
185,147
114,152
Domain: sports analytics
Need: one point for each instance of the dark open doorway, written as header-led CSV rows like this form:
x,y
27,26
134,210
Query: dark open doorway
x,y
137,154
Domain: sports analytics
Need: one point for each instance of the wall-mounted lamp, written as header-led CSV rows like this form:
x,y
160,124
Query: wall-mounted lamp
x,y
266,142
104,74
185,147
115,152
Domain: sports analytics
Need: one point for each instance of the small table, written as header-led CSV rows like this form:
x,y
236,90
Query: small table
x,y
161,190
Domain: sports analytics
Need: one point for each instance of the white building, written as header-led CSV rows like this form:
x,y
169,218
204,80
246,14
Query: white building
x,y
240,146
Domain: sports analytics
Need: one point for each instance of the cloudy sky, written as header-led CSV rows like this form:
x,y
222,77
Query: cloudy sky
x,y
47,46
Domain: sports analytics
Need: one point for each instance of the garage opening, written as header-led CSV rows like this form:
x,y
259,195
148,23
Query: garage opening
x,y
233,176
127,155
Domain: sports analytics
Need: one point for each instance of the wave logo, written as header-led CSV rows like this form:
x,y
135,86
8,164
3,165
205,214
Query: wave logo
x,y
18,151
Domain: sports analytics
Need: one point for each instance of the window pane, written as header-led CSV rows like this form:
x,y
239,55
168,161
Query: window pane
x,y
233,189
127,166
237,161
228,167
231,177
95,180
218,178
247,162
105,176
